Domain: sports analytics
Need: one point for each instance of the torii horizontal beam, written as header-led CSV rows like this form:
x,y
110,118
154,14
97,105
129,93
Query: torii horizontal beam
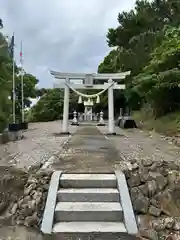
x,y
95,76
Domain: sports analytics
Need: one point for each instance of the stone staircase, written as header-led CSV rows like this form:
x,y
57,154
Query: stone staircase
x,y
88,206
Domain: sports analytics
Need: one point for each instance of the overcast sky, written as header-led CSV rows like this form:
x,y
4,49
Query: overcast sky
x,y
62,35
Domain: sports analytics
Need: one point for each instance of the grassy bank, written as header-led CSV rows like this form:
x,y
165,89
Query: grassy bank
x,y
168,125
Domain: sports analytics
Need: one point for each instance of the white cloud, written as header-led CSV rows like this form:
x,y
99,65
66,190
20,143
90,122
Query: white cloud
x,y
67,35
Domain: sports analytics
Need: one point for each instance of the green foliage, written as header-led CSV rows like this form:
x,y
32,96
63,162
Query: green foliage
x,y
41,92
147,42
5,83
29,92
109,63
168,125
160,79
49,107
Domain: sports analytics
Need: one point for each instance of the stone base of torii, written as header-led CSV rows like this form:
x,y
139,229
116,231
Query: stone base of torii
x,y
88,84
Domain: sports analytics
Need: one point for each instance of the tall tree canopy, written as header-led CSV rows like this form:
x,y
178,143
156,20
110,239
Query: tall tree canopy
x,y
146,42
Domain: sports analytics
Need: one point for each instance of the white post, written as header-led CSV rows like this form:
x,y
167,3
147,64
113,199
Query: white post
x,y
121,112
22,97
66,108
14,93
91,117
85,113
111,108
22,86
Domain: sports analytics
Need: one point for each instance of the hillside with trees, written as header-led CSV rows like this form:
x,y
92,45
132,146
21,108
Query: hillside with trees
x,y
147,42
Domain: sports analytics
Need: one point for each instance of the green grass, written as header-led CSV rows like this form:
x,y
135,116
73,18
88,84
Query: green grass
x,y
168,125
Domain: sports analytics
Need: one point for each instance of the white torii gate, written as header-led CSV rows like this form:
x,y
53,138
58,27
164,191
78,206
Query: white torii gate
x,y
88,84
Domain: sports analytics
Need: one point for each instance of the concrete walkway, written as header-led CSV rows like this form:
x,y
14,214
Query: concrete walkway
x,y
88,151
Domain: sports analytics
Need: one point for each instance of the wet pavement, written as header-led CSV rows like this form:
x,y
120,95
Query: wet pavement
x,y
87,151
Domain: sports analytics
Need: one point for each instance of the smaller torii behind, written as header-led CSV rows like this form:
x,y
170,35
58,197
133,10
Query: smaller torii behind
x,y
88,84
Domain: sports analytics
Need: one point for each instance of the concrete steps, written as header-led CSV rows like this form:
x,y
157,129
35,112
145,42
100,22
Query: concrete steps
x,y
81,205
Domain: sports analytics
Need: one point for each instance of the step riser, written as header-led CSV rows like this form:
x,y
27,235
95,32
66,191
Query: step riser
x,y
87,183
94,236
89,216
88,197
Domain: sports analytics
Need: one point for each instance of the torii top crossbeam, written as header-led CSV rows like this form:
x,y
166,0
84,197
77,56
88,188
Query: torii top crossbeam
x,y
98,76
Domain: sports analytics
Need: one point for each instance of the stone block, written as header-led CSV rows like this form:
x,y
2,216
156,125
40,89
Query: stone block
x,y
128,122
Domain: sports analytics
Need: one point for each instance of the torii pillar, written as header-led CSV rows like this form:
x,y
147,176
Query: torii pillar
x,y
111,108
65,129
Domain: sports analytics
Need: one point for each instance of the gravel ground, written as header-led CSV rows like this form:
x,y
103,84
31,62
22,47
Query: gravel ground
x,y
40,142
138,144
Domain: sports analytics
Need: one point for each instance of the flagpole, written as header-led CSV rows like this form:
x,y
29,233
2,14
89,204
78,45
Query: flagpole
x,y
13,89
22,86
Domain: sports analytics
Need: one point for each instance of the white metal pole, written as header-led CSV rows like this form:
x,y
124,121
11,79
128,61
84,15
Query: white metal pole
x,y
22,97
14,94
22,86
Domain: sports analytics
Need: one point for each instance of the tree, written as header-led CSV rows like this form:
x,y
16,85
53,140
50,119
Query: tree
x,y
138,34
5,82
49,107
1,23
41,92
159,81
109,64
30,83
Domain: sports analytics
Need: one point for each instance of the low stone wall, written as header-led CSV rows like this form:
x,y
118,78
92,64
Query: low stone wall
x,y
155,192
28,206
